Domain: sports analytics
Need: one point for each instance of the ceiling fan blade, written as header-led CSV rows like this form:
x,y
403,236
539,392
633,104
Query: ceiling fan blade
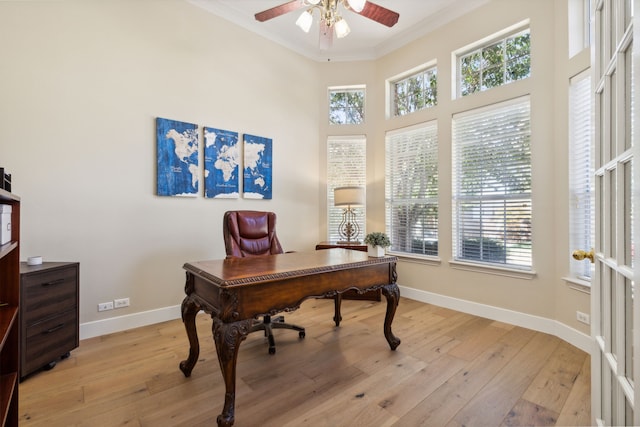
x,y
326,36
379,14
265,15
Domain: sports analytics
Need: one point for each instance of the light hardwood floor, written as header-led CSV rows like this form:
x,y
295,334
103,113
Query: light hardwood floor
x,y
450,369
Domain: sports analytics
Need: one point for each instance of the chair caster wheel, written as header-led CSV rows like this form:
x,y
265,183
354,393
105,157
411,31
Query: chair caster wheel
x,y
49,366
301,334
272,350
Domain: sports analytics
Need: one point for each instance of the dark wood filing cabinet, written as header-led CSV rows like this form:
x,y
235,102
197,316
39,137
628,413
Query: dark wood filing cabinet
x,y
49,323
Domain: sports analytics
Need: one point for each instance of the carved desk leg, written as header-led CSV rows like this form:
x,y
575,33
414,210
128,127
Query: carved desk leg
x,y
337,317
392,294
189,310
228,337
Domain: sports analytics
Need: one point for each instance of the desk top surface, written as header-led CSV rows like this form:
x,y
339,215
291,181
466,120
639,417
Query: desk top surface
x,y
243,271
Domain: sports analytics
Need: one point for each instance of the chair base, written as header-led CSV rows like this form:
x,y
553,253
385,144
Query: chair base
x,y
268,324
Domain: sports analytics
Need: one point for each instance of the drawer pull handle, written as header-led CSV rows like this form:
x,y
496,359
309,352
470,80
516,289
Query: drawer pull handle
x,y
53,282
55,328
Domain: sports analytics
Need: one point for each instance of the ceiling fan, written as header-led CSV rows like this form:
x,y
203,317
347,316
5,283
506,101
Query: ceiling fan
x,y
330,17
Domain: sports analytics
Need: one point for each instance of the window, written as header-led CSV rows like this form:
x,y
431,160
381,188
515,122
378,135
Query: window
x,y
346,106
411,189
581,173
492,185
495,64
415,92
346,166
579,25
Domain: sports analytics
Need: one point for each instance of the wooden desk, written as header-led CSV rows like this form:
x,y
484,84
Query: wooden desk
x,y
375,295
236,291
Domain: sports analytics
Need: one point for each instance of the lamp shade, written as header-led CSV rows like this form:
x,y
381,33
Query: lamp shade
x,y
348,196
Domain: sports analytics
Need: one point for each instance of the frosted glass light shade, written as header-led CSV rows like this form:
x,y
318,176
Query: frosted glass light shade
x,y
357,5
349,196
304,21
342,29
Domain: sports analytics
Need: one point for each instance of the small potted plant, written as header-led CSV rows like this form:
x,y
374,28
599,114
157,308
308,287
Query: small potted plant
x,y
377,243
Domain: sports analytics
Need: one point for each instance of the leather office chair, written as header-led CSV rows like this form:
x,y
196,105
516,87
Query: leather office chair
x,y
251,234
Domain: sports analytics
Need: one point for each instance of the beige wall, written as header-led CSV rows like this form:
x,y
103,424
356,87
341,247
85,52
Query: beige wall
x,y
82,82
546,295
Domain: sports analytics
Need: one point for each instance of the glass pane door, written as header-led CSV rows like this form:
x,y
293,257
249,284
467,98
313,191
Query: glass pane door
x,y
613,303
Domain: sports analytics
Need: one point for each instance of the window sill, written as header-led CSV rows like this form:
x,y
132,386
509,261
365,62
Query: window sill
x,y
578,284
490,269
416,259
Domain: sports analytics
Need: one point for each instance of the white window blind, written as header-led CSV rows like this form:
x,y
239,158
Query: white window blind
x,y
581,174
346,166
492,185
411,189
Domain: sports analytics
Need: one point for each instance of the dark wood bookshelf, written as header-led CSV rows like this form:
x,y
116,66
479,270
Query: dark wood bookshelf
x,y
9,315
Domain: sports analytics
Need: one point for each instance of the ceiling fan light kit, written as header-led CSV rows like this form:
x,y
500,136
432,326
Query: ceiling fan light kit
x,y
329,14
330,17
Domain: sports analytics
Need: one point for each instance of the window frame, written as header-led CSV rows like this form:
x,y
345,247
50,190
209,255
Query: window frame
x,y
479,46
430,68
432,200
357,177
579,26
511,200
581,196
347,106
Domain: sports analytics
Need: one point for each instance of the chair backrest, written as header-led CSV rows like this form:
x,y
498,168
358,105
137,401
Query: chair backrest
x,y
250,233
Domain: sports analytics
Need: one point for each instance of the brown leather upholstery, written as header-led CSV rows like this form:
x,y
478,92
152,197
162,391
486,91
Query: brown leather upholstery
x,y
250,233
253,234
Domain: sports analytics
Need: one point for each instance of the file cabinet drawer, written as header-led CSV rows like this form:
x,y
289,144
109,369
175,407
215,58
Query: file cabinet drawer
x,y
48,292
54,336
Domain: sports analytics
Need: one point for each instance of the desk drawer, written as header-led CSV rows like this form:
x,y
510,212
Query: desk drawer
x,y
47,293
49,339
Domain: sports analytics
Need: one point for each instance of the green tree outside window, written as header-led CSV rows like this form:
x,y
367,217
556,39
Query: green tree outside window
x,y
502,62
415,92
346,107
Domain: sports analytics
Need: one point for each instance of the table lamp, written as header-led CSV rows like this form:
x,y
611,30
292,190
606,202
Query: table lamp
x,y
349,197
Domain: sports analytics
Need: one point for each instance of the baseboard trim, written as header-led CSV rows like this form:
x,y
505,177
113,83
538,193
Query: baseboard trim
x,y
541,324
128,321
536,323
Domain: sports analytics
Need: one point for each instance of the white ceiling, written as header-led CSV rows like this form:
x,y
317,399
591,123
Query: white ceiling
x,y
367,40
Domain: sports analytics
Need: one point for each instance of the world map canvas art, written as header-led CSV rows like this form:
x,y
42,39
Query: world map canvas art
x,y
258,162
221,164
177,145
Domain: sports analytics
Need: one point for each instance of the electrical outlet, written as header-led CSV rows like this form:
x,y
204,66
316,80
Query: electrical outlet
x,y
103,306
583,317
122,302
